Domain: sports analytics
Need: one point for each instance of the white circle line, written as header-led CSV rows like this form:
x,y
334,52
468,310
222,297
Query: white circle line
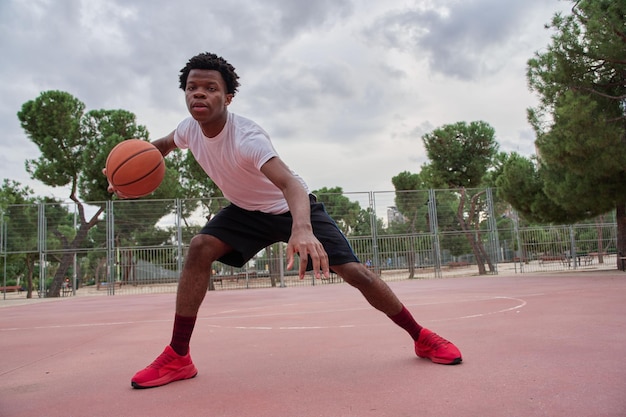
x,y
521,304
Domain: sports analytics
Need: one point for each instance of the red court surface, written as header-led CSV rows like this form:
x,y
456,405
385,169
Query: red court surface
x,y
533,345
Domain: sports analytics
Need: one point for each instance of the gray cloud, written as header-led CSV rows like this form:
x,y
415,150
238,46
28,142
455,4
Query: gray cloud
x,y
463,39
353,84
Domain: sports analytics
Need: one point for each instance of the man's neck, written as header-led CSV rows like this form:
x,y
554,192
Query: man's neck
x,y
212,129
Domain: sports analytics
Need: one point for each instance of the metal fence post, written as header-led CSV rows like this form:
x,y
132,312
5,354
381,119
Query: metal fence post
x,y
281,266
434,230
75,261
110,245
179,235
4,254
374,224
494,244
520,255
572,239
41,248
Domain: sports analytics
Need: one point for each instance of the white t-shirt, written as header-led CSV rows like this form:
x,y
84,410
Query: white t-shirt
x,y
233,160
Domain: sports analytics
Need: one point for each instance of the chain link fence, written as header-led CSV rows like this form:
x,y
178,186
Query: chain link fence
x,y
139,246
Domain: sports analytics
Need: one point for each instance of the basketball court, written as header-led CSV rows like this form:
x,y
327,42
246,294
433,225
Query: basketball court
x,y
533,345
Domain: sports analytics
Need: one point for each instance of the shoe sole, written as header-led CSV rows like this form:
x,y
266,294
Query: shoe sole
x,y
454,361
164,381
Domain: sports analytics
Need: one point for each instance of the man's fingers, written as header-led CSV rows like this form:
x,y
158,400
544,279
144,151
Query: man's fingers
x,y
315,261
110,188
304,260
324,266
289,258
312,250
320,263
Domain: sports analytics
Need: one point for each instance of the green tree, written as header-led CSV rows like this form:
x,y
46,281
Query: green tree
x,y
74,146
460,157
580,121
349,216
413,205
195,188
19,215
460,154
521,184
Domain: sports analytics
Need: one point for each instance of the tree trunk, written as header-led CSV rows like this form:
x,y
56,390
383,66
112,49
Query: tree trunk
x,y
483,253
411,261
59,276
478,254
475,215
476,250
29,275
68,257
100,274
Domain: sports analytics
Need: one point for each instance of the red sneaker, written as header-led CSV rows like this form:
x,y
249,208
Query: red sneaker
x,y
168,367
434,347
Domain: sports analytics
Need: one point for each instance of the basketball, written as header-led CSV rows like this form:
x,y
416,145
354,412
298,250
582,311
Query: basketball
x,y
135,168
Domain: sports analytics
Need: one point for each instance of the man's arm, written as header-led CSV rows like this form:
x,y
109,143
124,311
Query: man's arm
x,y
166,144
302,240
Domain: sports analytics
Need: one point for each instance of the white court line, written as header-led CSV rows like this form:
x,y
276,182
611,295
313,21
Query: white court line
x,y
69,326
521,304
343,326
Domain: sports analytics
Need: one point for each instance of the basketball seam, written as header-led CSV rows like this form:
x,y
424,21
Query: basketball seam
x,y
122,162
140,178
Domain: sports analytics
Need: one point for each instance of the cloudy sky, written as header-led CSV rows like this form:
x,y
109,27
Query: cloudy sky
x,y
346,88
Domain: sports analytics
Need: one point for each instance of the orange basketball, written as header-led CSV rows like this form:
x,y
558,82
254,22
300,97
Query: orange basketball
x,y
135,168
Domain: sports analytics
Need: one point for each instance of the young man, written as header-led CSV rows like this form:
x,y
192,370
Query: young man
x,y
269,203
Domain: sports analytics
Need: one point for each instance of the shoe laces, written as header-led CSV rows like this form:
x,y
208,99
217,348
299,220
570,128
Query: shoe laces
x,y
161,361
434,341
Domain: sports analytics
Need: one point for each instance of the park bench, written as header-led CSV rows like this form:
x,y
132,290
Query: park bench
x,y
66,289
232,278
11,288
459,264
105,285
552,258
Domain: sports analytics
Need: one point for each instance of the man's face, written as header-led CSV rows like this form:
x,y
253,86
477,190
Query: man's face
x,y
207,97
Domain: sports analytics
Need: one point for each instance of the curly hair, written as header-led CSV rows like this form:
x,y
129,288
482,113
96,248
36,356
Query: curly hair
x,y
210,61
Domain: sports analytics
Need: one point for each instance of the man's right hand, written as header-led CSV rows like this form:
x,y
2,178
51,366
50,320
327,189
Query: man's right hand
x,y
112,189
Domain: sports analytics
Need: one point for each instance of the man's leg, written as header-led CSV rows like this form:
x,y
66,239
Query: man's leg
x,y
375,290
381,297
194,280
175,363
192,287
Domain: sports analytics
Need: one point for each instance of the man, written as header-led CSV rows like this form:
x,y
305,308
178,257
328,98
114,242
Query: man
x,y
269,203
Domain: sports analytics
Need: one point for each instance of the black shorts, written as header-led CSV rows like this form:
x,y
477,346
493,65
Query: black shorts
x,y
247,232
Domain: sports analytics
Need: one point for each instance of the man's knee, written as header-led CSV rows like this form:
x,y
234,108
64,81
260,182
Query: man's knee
x,y
206,249
356,274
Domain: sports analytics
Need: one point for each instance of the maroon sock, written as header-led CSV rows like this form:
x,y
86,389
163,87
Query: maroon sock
x,y
405,320
181,335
